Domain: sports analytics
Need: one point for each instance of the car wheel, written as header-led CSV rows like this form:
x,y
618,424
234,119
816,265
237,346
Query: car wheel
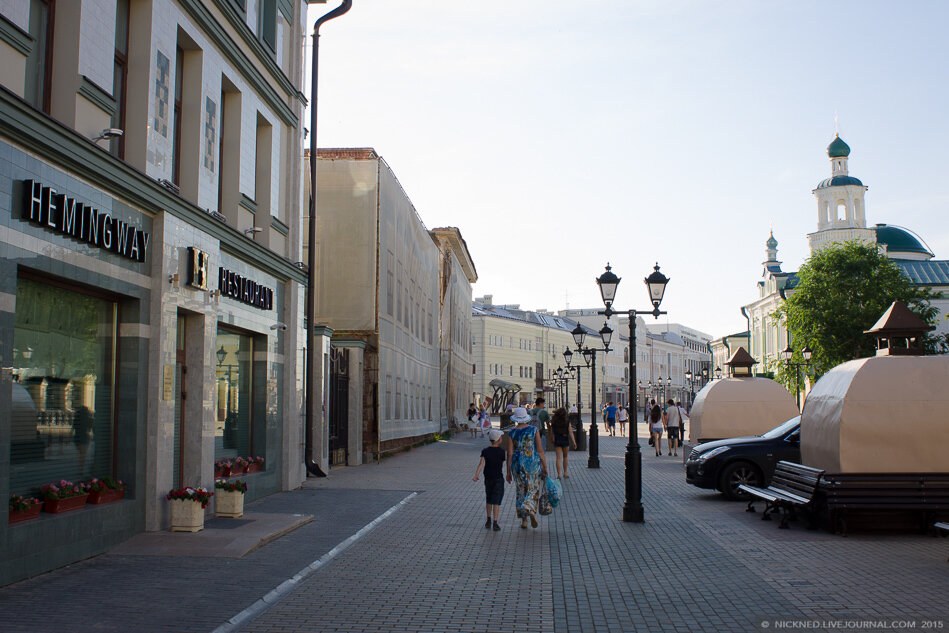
x,y
738,473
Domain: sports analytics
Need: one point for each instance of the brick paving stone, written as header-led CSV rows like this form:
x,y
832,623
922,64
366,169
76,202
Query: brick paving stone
x,y
698,563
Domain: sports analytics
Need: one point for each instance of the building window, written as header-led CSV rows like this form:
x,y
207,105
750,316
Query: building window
x,y
267,24
39,63
63,397
120,74
176,147
233,431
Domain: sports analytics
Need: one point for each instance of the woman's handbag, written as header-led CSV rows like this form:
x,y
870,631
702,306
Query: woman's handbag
x,y
543,504
554,491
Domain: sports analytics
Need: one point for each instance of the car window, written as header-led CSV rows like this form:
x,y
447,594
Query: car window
x,y
783,429
795,436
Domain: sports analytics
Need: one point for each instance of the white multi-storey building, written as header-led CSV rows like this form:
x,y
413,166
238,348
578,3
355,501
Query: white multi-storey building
x,y
150,168
841,216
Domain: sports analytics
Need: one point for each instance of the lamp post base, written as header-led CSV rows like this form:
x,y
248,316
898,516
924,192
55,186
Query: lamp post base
x,y
633,508
593,448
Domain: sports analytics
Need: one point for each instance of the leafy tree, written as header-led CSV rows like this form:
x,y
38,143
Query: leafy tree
x,y
842,291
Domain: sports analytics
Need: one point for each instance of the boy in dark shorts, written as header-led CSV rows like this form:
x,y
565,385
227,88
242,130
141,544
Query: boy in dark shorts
x,y
492,459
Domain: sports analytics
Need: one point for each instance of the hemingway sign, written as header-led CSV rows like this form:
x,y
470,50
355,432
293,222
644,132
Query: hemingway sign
x,y
58,212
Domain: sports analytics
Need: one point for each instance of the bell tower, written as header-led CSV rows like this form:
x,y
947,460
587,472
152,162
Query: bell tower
x,y
841,210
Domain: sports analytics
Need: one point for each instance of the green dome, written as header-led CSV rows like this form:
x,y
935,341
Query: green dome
x,y
838,149
771,243
899,240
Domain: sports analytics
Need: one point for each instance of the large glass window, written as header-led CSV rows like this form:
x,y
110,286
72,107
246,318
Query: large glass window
x,y
39,61
62,409
232,433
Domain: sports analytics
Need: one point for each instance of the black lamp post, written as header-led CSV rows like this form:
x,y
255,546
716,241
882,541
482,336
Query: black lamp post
x,y
788,354
589,357
312,358
656,283
688,380
574,373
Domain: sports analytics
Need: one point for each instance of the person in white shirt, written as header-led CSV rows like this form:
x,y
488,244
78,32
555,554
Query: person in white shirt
x,y
673,420
622,416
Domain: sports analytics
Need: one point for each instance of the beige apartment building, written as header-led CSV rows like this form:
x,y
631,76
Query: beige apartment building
x,y
397,297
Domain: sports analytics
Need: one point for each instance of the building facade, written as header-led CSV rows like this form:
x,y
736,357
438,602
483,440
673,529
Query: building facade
x,y
841,216
151,309
398,296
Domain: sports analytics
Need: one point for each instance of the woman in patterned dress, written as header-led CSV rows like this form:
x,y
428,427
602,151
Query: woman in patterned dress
x,y
528,465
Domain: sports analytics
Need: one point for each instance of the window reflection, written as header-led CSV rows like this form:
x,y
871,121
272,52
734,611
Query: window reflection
x,y
63,378
232,433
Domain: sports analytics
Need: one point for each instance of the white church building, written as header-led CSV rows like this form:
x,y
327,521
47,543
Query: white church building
x,y
841,216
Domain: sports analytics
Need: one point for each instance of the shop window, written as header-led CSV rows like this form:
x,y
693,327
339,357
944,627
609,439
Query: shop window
x,y
233,430
63,397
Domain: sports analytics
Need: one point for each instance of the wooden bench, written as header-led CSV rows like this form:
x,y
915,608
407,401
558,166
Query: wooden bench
x,y
792,488
925,494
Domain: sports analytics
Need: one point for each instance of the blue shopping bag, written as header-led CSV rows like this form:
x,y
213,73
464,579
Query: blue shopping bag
x,y
554,491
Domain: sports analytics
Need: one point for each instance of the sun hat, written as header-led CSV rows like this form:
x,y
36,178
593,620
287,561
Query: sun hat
x,y
494,435
520,415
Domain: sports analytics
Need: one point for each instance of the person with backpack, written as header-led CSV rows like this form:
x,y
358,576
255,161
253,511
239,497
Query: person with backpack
x,y
563,440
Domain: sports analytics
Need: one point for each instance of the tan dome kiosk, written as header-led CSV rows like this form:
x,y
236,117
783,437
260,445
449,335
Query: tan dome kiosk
x,y
739,405
879,429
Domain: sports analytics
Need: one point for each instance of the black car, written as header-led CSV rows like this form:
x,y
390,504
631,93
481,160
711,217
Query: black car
x,y
726,464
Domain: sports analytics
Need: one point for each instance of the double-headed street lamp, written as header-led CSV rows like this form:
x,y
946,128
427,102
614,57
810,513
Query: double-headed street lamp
x,y
694,378
574,372
656,283
788,354
589,357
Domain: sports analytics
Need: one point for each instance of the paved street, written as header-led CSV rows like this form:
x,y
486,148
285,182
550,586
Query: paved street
x,y
699,563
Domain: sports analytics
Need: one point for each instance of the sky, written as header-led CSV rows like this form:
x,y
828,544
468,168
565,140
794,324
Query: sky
x,y
561,136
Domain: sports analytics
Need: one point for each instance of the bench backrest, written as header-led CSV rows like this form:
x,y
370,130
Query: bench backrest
x,y
796,478
887,488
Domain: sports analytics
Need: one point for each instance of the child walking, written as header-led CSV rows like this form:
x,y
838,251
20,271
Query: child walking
x,y
492,459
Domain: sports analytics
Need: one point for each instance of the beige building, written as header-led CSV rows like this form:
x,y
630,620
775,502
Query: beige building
x,y
397,297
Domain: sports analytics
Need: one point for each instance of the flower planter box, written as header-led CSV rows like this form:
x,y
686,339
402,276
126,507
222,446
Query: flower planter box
x,y
221,472
253,468
55,506
229,504
237,470
32,512
105,496
186,516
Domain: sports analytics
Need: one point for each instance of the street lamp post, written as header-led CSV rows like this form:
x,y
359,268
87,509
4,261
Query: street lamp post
x,y
788,354
568,357
589,357
312,357
656,283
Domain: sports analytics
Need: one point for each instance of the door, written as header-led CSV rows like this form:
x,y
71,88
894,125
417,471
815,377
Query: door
x,y
339,406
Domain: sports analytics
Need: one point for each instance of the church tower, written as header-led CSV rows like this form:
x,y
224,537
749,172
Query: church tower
x,y
841,211
771,264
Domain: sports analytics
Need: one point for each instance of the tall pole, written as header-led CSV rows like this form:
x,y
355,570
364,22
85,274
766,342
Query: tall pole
x,y
594,460
633,507
311,355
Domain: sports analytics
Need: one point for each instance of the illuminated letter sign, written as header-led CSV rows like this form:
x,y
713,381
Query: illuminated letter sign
x,y
243,289
198,264
67,216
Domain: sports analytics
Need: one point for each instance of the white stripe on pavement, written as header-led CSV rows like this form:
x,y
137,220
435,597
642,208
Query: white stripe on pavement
x,y
279,592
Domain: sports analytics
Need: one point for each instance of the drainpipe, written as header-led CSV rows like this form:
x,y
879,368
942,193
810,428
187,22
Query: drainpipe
x,y
311,357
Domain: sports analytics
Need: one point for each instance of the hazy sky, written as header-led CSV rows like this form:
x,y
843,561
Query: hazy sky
x,y
561,135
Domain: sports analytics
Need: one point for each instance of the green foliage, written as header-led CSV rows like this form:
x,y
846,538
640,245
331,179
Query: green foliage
x,y
843,290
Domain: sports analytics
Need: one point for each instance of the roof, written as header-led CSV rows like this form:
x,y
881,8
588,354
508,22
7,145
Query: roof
x,y
741,358
536,318
838,181
899,240
932,272
898,320
837,148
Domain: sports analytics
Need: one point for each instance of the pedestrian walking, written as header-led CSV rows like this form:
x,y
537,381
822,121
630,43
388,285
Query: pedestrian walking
x,y
492,459
673,420
610,412
527,464
564,440
473,418
622,415
484,421
540,418
683,416
655,427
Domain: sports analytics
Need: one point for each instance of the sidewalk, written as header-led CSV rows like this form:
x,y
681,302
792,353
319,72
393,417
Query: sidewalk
x,y
698,563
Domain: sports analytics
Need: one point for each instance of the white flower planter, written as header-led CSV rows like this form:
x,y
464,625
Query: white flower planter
x,y
186,516
229,504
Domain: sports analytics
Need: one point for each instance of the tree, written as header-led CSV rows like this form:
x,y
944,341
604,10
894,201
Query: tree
x,y
842,291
